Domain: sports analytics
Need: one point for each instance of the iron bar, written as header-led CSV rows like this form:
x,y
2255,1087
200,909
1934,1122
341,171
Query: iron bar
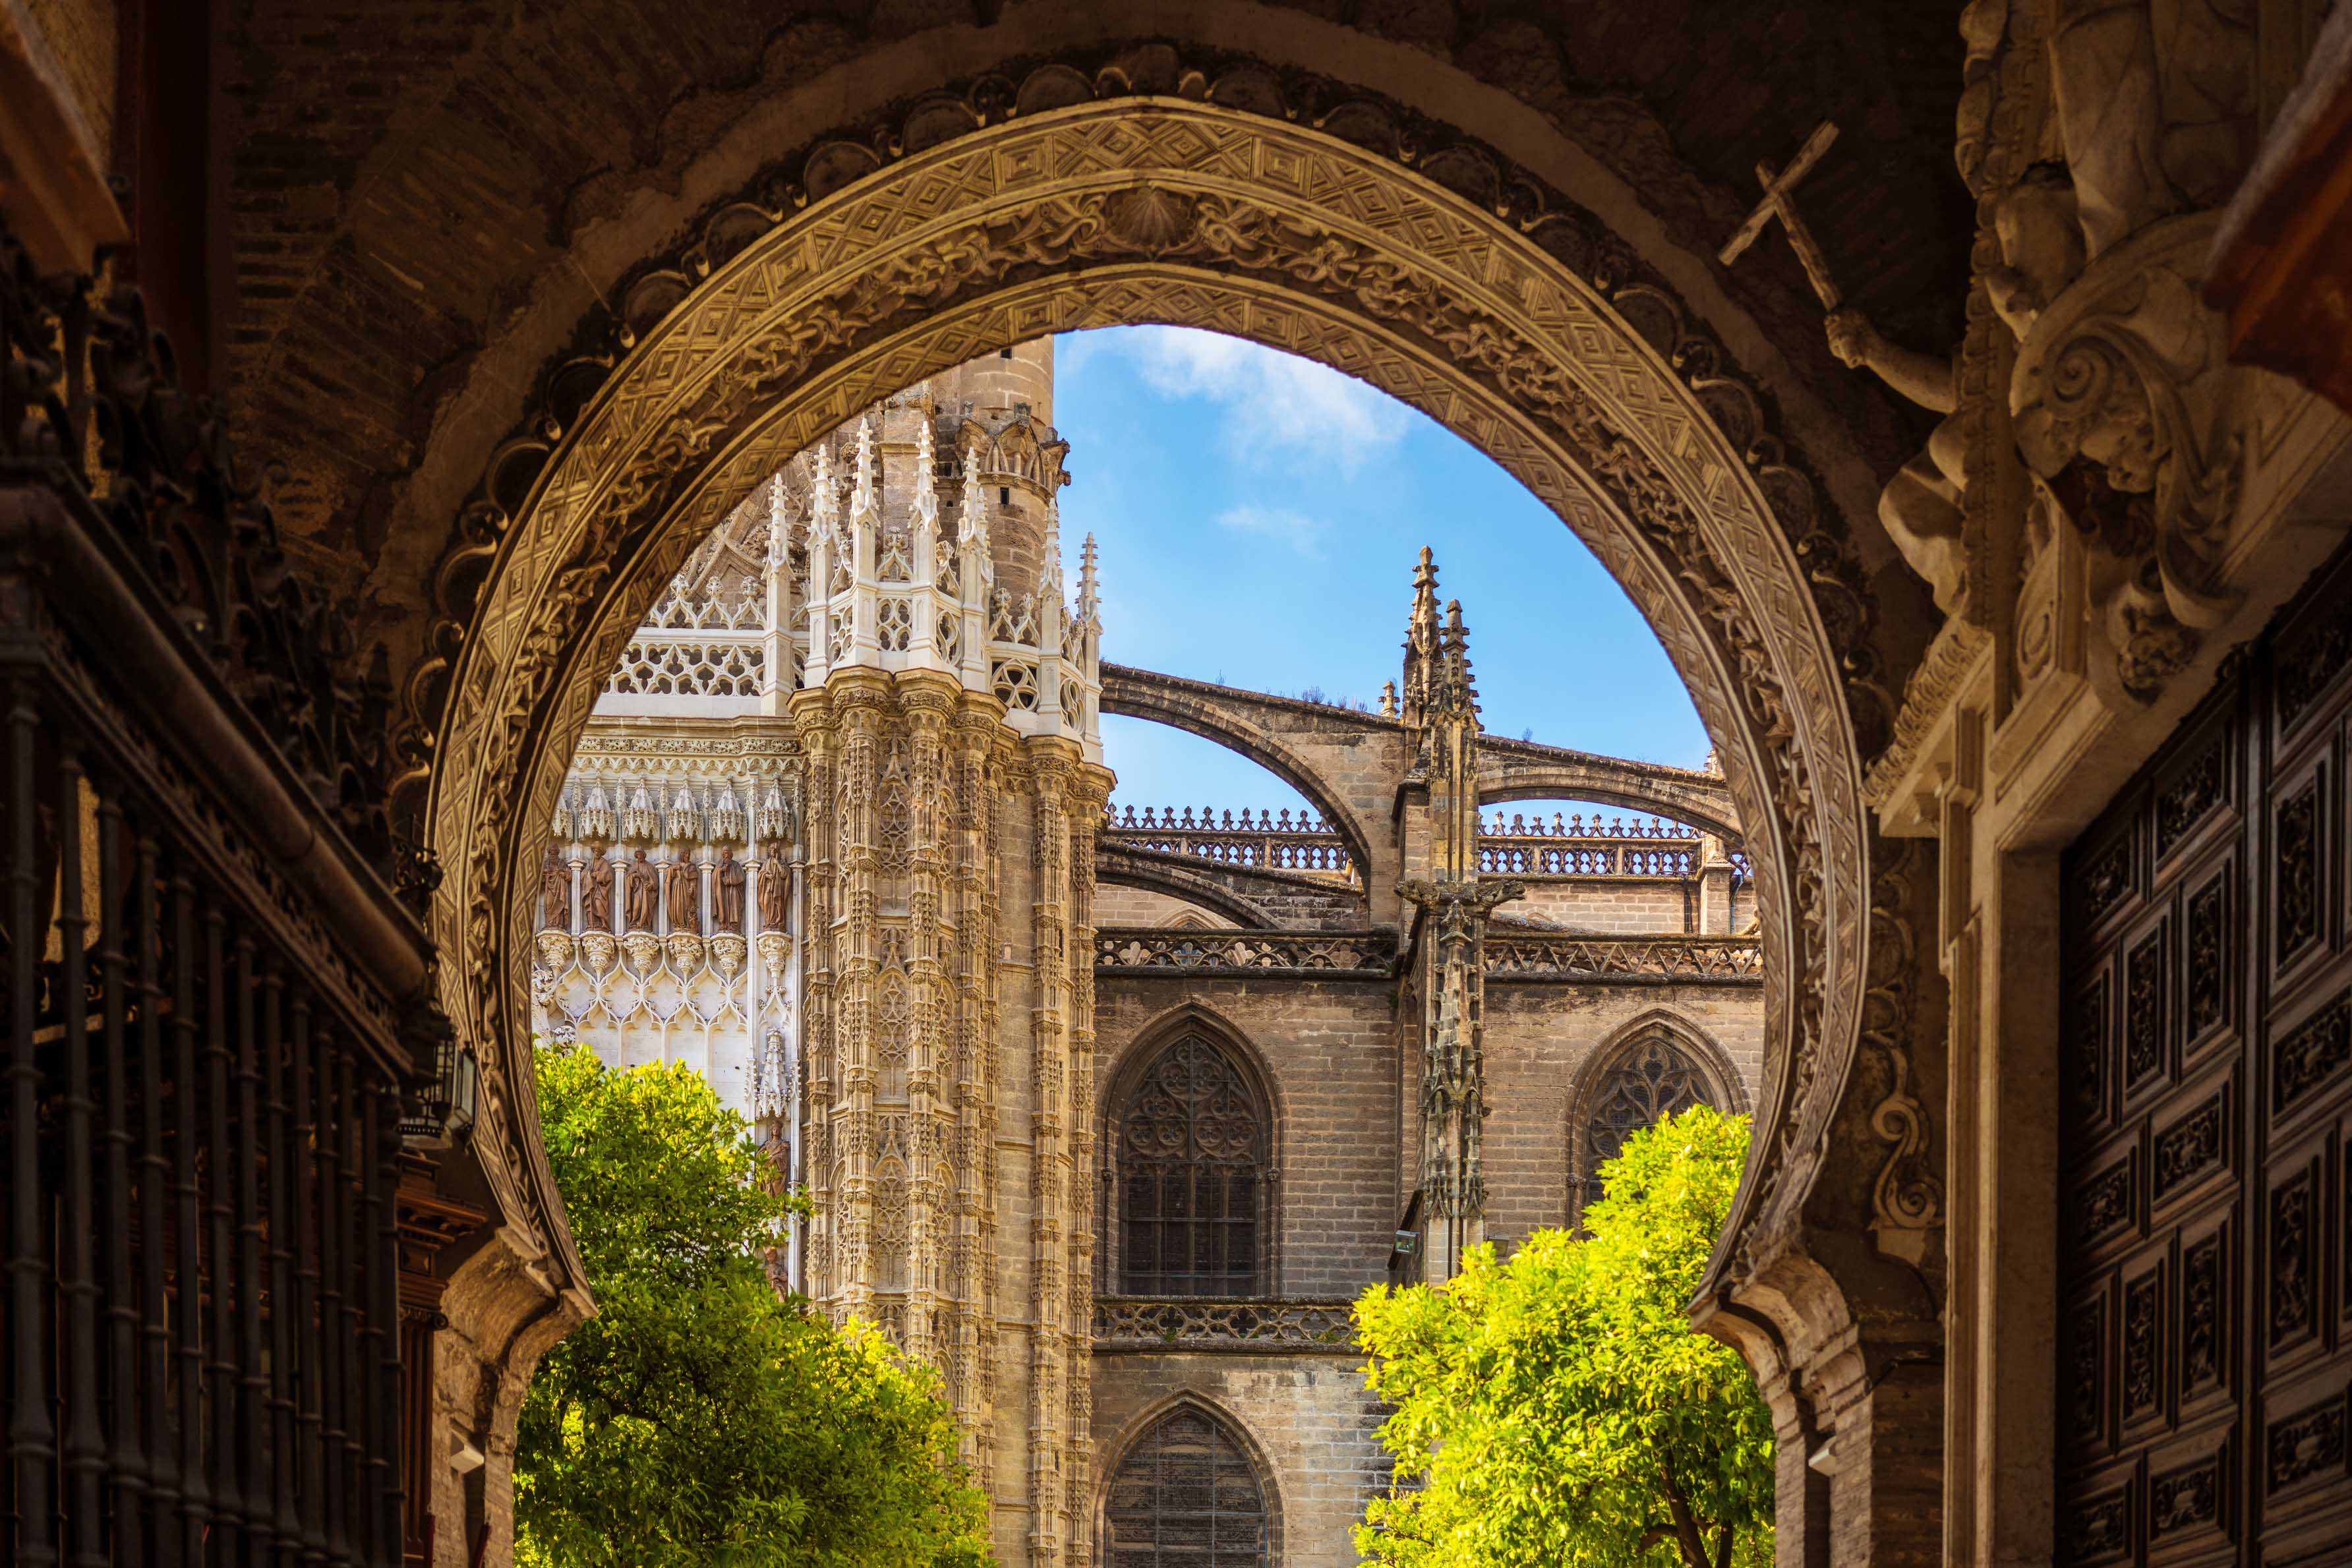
x,y
126,1460
83,1450
32,1439
163,1484
187,1281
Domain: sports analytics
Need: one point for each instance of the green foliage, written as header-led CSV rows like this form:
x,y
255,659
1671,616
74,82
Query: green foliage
x,y
698,1420
1556,1411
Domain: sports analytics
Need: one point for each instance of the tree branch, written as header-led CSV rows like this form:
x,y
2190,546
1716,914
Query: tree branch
x,y
1686,1532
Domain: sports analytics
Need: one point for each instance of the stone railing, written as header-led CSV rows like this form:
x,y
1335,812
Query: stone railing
x,y
1553,955
1307,1325
1674,858
1518,825
1263,841
1147,950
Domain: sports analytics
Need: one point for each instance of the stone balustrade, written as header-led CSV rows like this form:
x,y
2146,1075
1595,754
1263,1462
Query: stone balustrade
x,y
1307,1325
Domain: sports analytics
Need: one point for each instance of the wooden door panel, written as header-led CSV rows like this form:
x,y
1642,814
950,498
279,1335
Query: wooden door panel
x,y
2205,1339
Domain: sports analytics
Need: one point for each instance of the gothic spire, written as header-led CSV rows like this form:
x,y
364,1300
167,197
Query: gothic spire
x,y
822,505
861,500
972,527
927,490
1421,644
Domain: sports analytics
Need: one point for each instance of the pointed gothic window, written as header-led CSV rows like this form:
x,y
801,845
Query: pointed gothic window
x,y
1191,1172
1656,1078
1186,1496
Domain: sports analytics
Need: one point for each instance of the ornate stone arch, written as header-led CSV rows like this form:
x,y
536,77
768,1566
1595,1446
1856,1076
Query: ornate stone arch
x,y
1441,273
1706,1066
1187,1020
1154,1417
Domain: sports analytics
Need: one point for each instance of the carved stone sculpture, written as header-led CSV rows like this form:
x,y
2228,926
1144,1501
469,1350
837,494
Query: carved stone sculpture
x,y
729,893
682,882
555,892
2121,401
2041,254
775,892
596,895
642,901
2156,106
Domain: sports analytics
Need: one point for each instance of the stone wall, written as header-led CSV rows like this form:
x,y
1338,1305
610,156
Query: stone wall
x,y
1311,1426
1543,1044
1116,906
1625,906
1329,1048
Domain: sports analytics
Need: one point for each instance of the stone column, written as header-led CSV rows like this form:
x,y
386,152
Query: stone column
x,y
1089,792
858,699
1053,764
926,702
813,718
974,735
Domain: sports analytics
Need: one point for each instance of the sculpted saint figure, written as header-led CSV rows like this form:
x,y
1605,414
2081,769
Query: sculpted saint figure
x,y
596,896
775,892
685,880
729,892
555,892
643,901
2042,252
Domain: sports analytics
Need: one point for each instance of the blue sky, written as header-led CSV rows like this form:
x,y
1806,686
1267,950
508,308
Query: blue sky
x,y
1259,517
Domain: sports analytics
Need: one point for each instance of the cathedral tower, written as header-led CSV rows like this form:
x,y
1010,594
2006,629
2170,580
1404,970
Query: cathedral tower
x,y
880,655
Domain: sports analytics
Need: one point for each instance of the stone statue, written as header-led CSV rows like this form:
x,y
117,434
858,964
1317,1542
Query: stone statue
x,y
2156,104
684,881
2042,252
729,889
775,892
596,896
642,903
555,891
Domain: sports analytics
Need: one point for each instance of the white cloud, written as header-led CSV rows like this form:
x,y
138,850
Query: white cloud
x,y
1282,525
1279,410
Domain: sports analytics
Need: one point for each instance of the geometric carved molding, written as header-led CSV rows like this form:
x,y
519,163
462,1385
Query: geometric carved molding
x,y
1521,336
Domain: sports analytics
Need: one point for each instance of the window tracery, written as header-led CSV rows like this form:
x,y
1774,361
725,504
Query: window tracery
x,y
1191,1156
1654,1079
1186,1494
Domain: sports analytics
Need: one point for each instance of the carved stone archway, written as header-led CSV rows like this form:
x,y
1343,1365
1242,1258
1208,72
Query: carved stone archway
x,y
1449,280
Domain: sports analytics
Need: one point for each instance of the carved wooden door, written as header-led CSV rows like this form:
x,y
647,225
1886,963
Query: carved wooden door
x,y
2205,1342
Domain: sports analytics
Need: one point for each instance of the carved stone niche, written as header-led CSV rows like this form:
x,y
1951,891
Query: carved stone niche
x,y
2129,414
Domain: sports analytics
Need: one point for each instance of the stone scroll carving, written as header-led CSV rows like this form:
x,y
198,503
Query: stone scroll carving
x,y
2123,407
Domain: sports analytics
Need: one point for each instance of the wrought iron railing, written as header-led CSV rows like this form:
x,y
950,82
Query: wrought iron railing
x,y
1142,949
216,1011
1294,1325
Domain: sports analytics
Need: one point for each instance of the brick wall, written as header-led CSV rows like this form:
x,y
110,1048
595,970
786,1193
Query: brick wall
x,y
1329,1047
1631,907
1117,905
1540,1041
1307,1416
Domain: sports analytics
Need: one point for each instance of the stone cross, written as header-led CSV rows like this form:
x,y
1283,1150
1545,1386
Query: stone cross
x,y
1779,202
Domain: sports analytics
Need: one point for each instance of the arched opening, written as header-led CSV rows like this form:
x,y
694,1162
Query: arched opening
x,y
1191,1197
1697,515
1658,1066
1186,1495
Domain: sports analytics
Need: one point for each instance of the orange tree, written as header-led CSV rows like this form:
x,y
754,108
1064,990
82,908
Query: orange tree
x,y
700,1419
1556,1411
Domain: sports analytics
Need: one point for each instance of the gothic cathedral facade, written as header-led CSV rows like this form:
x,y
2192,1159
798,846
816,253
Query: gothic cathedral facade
x,y
1109,1114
